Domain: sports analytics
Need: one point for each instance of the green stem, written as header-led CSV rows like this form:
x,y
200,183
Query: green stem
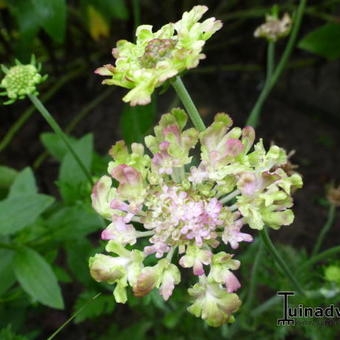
x,y
136,12
188,104
254,273
20,122
270,60
72,317
270,246
74,122
327,253
254,114
325,229
56,128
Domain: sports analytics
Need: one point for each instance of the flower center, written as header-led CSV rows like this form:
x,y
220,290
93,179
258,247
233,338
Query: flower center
x,y
156,50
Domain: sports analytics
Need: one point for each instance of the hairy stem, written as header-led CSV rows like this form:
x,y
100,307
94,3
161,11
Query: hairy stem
x,y
188,104
56,128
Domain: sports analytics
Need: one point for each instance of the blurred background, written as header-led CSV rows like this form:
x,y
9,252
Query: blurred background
x,y
71,39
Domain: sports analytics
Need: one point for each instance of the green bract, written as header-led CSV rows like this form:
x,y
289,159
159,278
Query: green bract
x,y
21,80
158,56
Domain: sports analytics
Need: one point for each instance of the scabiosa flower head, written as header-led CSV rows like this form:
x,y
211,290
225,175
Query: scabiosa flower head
x,y
21,80
274,28
158,56
333,195
189,209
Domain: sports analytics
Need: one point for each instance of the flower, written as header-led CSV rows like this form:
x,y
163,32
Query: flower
x,y
190,209
21,80
333,195
158,56
274,28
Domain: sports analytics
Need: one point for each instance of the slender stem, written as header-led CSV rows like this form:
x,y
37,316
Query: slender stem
x,y
136,12
254,114
270,246
254,273
325,229
188,104
327,253
20,122
56,128
230,196
72,317
270,60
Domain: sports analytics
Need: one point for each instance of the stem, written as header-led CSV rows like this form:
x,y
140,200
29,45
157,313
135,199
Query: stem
x,y
254,272
230,196
270,60
325,229
136,12
72,317
20,122
254,114
270,246
188,103
320,257
56,128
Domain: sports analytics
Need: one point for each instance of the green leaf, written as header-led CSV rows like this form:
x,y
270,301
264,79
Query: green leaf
x,y
24,184
20,211
52,15
7,176
324,41
73,223
111,8
103,304
37,278
137,121
70,172
54,145
6,271
7,334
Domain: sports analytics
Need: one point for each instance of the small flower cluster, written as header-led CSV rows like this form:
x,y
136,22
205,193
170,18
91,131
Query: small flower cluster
x,y
190,210
274,28
158,56
21,80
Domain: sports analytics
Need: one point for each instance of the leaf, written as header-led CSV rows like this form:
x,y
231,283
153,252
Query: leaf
x,y
70,171
324,41
103,304
7,334
20,211
24,184
52,15
37,278
73,223
137,121
54,145
111,8
7,176
6,271
98,25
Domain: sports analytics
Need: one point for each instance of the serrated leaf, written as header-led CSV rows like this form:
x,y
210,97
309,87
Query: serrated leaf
x,y
324,41
137,121
54,145
103,304
37,278
24,184
52,15
20,211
